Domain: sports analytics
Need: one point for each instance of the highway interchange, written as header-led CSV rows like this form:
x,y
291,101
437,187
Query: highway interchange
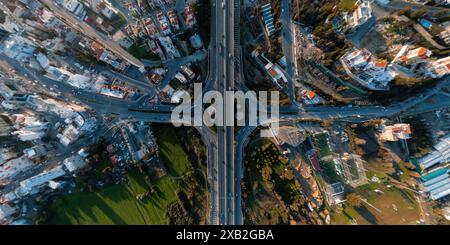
x,y
226,149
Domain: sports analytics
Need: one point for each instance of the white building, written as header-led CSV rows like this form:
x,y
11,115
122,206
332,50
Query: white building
x,y
170,50
43,61
188,72
76,8
163,23
267,18
445,34
105,8
180,77
74,163
189,17
19,48
399,131
409,56
367,70
437,183
361,14
441,154
437,68
6,211
33,184
12,168
196,41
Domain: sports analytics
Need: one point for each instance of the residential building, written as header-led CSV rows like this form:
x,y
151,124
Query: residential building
x,y
112,92
33,184
14,167
409,56
75,7
6,211
188,72
180,77
122,39
196,41
367,70
274,71
163,23
399,131
74,163
445,34
173,20
437,68
309,97
361,14
170,50
19,48
189,17
105,8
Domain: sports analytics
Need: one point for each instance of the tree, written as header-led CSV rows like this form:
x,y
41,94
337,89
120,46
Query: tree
x,y
420,13
405,11
354,200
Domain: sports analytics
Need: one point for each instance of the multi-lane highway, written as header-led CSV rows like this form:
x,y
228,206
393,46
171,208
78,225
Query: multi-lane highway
x,y
225,150
223,19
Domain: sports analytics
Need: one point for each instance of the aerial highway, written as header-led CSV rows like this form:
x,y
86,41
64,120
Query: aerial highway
x,y
226,150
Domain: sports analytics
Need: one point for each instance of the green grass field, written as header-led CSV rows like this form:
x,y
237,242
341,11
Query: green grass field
x,y
322,143
117,204
172,152
396,207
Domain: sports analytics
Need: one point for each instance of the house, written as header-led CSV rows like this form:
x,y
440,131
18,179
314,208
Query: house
x,y
6,211
14,167
445,34
196,41
150,27
399,131
274,71
19,48
361,14
309,97
189,17
76,8
105,8
187,71
173,20
74,163
437,68
367,70
33,184
358,58
170,50
163,23
412,57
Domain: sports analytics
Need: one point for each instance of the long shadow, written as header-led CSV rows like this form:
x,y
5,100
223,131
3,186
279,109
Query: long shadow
x,y
407,196
367,215
108,211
